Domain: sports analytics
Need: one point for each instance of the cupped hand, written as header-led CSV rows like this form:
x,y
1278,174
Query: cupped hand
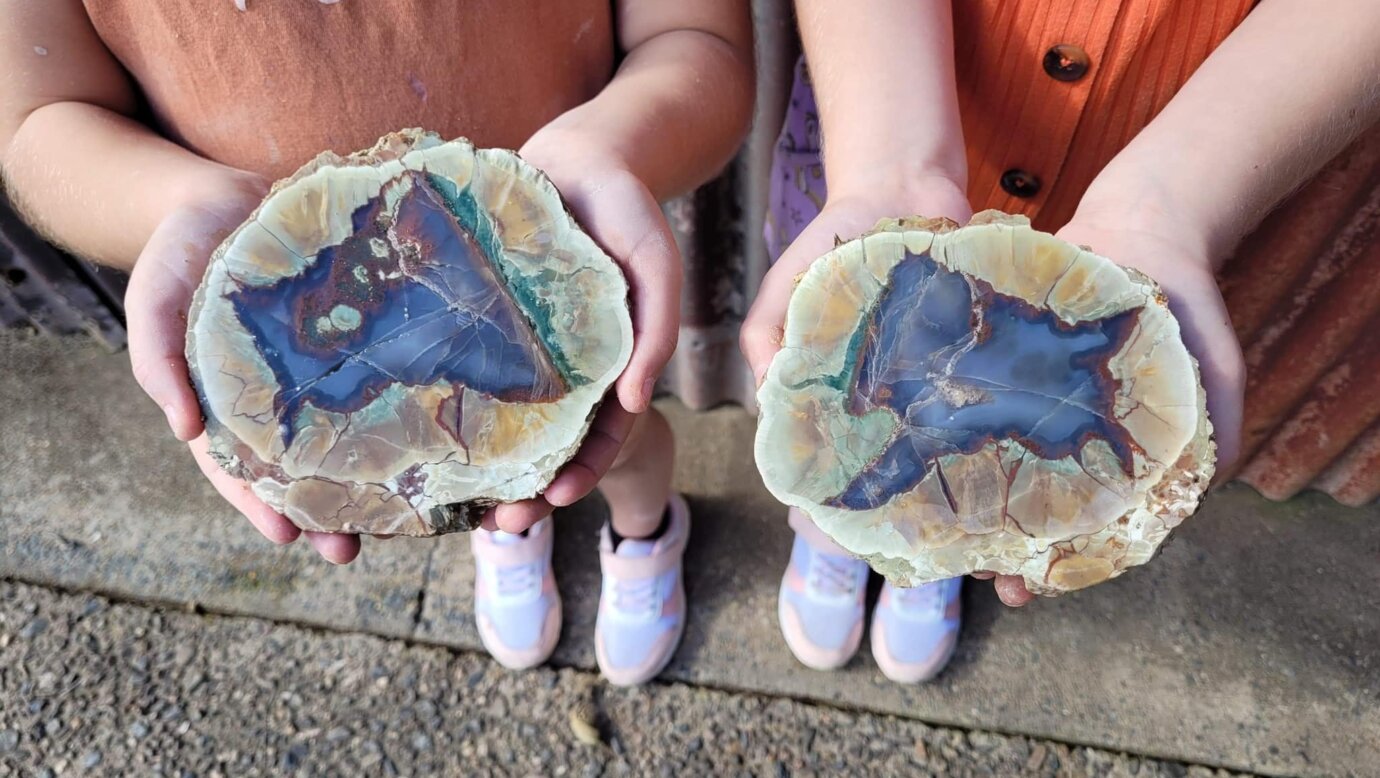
x,y
156,305
613,205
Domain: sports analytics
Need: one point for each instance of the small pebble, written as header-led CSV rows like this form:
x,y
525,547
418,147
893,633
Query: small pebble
x,y
583,726
293,757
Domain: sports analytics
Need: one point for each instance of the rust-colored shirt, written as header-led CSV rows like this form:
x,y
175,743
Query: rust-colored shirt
x,y
1051,90
268,88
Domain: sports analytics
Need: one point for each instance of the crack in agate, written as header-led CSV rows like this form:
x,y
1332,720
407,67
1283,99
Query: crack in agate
x,y
409,298
962,366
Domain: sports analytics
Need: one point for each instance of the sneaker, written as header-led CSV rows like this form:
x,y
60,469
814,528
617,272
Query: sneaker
x,y
516,604
821,602
642,603
915,630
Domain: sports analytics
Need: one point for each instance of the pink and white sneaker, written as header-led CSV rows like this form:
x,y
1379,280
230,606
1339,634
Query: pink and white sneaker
x,y
516,604
642,603
821,602
915,630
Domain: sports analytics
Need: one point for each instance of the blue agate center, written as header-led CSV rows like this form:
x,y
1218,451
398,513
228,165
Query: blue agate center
x,y
963,365
409,298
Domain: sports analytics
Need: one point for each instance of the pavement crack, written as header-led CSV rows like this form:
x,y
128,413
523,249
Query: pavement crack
x,y
419,602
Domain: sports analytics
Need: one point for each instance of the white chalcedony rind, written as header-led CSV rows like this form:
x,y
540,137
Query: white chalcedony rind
x,y
411,459
1061,524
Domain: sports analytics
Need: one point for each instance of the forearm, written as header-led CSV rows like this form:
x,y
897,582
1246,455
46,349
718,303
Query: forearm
x,y
884,81
1282,95
673,115
99,183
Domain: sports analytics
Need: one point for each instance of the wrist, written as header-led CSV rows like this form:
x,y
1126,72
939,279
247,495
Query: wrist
x,y
901,192
1141,201
894,175
559,151
220,190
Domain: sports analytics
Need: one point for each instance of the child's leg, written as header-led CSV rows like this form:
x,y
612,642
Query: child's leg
x,y
638,485
642,601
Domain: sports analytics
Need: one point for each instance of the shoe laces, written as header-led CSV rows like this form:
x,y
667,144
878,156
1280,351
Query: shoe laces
x,y
925,598
834,577
635,600
519,583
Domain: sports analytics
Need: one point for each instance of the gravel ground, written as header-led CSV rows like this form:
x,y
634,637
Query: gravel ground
x,y
90,687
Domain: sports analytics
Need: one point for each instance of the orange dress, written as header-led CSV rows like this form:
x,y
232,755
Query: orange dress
x,y
268,88
1051,90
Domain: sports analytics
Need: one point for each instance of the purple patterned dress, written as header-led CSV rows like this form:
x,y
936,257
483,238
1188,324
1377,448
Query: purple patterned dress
x,y
797,170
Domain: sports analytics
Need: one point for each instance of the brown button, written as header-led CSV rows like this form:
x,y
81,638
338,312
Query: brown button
x,y
1066,62
1019,183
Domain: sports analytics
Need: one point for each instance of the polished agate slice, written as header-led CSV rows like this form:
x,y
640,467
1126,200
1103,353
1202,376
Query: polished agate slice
x,y
988,398
402,337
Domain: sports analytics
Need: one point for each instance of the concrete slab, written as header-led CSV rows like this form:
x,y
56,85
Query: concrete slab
x,y
96,494
1251,643
99,688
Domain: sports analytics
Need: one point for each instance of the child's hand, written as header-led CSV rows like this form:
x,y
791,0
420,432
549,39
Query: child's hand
x,y
845,216
156,304
620,213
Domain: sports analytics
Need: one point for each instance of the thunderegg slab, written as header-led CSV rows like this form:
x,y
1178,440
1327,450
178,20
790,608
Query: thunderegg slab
x,y
987,398
399,338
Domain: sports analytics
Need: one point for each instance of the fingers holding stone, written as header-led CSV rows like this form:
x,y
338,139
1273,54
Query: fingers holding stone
x,y
338,549
760,336
268,522
156,310
519,516
596,455
1011,590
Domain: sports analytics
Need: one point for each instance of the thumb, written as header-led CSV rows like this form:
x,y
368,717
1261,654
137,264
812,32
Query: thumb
x,y
763,330
765,325
156,305
158,300
623,218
